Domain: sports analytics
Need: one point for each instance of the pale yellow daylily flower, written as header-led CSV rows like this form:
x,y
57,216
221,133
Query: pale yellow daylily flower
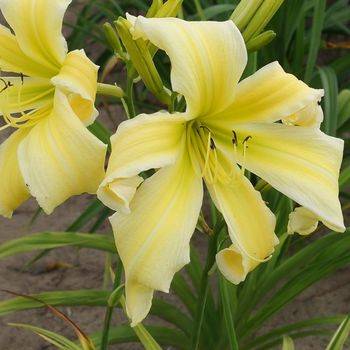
x,y
51,155
227,123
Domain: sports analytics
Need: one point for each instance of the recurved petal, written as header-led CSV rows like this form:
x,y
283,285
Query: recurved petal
x,y
207,59
234,264
24,94
310,116
143,143
12,58
78,79
60,158
269,95
303,163
250,222
37,25
302,221
153,240
13,191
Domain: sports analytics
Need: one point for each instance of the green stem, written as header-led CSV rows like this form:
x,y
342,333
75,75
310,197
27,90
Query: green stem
x,y
199,10
109,90
107,321
110,307
204,288
128,100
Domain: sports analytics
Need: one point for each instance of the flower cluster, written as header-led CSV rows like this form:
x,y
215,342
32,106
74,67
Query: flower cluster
x,y
267,124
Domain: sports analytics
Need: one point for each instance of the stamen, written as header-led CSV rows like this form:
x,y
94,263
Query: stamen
x,y
245,147
6,85
203,151
25,118
207,157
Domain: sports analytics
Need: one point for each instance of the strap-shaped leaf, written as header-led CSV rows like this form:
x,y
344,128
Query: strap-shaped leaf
x,y
55,339
340,336
160,308
50,240
164,336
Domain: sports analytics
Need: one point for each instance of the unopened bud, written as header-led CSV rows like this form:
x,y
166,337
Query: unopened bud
x,y
142,60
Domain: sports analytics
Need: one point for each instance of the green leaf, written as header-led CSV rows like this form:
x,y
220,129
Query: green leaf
x,y
288,343
194,269
344,177
146,338
160,308
180,287
53,338
340,336
50,240
101,133
316,32
90,212
310,264
302,334
291,329
125,334
343,107
57,298
226,299
330,85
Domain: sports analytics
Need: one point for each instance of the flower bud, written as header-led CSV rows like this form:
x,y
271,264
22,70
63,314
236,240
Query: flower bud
x,y
142,60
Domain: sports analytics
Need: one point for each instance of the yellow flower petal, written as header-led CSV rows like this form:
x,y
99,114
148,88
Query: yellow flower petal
x,y
13,191
302,221
235,265
37,25
250,222
24,94
303,163
153,240
268,95
138,301
199,53
143,143
310,116
60,158
78,79
12,58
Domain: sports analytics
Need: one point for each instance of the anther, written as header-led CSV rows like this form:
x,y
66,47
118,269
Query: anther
x,y
246,139
205,128
6,84
212,143
234,140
